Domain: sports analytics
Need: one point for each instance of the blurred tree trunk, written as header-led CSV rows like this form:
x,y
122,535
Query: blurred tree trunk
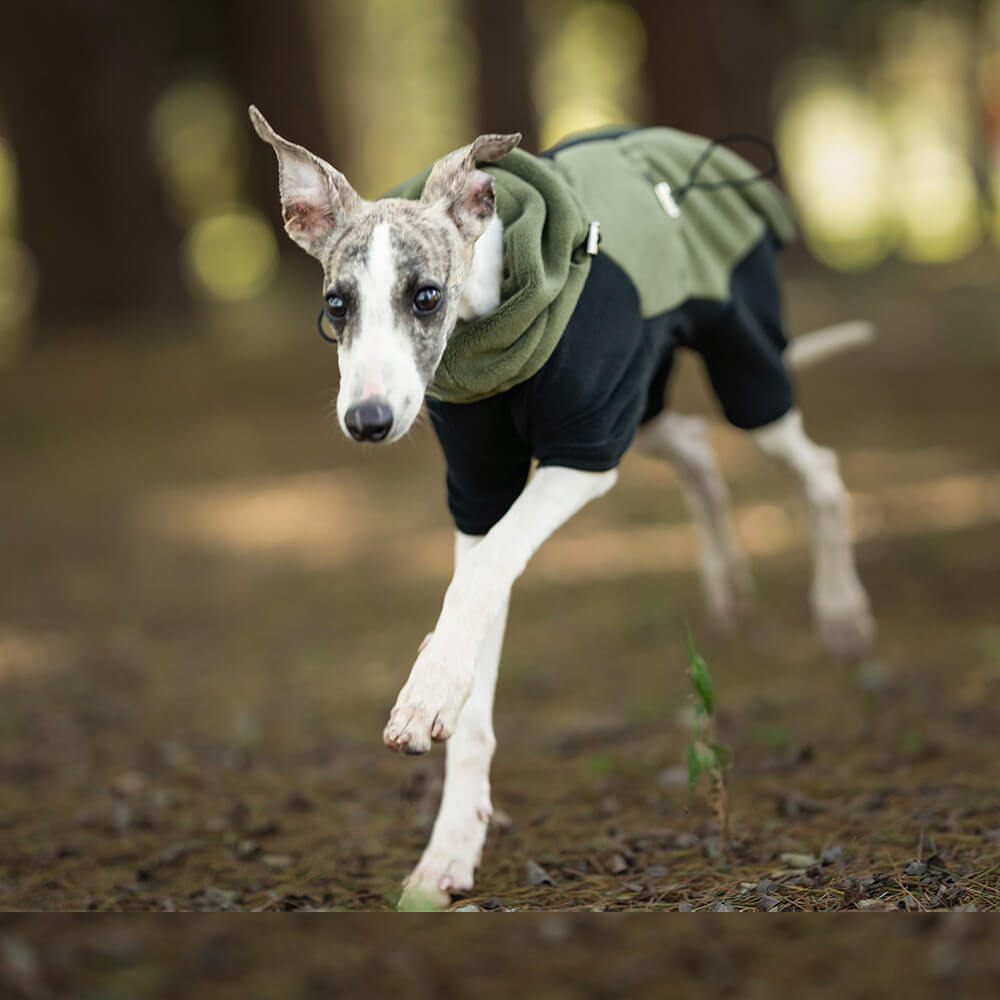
x,y
710,66
265,51
505,102
271,62
77,88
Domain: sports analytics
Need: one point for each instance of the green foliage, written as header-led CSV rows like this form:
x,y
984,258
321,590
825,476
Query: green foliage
x,y
704,754
699,675
694,768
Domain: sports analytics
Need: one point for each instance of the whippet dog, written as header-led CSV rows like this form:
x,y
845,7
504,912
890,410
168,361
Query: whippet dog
x,y
405,279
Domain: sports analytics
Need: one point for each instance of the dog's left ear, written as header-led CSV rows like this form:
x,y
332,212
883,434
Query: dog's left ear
x,y
467,193
315,197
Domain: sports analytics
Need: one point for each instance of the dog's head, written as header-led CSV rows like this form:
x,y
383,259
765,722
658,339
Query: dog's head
x,y
393,271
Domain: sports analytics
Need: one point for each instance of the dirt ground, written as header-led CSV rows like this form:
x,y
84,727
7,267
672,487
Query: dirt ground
x,y
209,600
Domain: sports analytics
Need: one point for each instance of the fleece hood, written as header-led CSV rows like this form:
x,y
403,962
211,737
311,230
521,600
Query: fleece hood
x,y
546,204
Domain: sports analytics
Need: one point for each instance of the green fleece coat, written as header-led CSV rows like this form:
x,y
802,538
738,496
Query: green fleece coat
x,y
547,203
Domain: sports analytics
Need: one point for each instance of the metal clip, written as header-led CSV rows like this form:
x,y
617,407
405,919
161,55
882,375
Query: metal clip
x,y
666,198
593,238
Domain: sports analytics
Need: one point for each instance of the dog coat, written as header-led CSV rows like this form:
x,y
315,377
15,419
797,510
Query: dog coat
x,y
578,353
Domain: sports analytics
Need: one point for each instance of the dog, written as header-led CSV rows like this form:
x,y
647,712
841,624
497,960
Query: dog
x,y
534,306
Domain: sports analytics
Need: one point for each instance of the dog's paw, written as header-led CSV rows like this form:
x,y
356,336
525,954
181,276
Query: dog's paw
x,y
428,706
435,879
415,722
844,622
422,897
447,866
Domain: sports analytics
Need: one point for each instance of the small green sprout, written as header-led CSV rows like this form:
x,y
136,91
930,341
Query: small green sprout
x,y
704,753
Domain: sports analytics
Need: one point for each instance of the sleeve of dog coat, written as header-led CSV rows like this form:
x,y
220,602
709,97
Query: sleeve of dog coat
x,y
488,464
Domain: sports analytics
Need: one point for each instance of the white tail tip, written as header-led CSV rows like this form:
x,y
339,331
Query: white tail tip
x,y
818,345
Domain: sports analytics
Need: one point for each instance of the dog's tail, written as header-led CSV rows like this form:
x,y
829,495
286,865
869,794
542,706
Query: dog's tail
x,y
818,345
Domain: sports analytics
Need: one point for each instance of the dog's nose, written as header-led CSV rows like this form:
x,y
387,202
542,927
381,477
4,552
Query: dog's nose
x,y
369,421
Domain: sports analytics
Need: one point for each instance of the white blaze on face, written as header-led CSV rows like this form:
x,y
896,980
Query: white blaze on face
x,y
379,362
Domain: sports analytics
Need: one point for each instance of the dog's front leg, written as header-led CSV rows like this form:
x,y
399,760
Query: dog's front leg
x,y
442,678
452,855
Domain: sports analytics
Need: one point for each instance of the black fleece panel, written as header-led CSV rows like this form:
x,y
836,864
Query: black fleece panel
x,y
607,375
742,352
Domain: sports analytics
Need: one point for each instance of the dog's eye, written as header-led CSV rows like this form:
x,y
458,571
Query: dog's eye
x,y
427,300
336,307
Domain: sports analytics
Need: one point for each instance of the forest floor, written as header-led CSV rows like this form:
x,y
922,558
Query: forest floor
x,y
209,600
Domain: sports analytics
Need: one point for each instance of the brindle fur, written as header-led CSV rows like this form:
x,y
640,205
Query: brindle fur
x,y
433,239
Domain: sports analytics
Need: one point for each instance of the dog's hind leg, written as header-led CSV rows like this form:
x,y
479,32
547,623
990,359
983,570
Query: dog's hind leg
x,y
452,854
839,602
683,440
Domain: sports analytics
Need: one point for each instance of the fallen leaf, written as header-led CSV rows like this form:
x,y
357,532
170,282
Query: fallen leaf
x,y
618,864
877,905
832,855
535,874
795,860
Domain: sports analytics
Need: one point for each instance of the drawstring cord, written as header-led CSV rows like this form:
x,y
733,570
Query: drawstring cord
x,y
736,182
671,199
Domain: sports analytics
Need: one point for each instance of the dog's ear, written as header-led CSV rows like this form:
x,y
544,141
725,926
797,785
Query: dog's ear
x,y
467,193
315,198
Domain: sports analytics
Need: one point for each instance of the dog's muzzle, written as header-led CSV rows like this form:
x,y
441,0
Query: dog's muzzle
x,y
369,421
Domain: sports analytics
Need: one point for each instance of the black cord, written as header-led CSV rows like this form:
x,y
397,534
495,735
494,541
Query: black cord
x,y
692,183
322,332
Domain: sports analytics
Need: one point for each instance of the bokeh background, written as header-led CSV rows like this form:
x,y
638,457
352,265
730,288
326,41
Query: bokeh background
x,y
209,598
130,134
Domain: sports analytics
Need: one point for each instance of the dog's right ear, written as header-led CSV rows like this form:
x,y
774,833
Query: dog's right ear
x,y
315,198
466,193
